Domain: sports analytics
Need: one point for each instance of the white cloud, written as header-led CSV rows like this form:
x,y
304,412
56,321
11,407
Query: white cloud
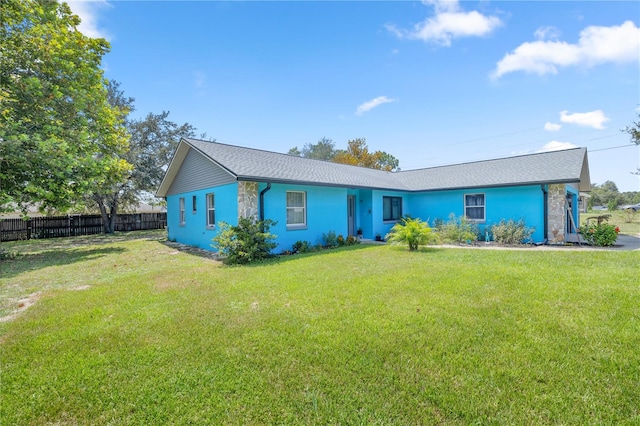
x,y
595,119
556,146
596,45
88,12
449,22
369,105
547,33
552,127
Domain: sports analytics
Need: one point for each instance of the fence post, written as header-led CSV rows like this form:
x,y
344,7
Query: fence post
x,y
29,225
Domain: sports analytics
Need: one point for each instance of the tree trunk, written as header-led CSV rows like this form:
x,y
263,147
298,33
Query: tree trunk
x,y
114,215
109,216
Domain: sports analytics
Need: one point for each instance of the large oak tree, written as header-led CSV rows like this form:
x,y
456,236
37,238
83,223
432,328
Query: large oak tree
x,y
59,135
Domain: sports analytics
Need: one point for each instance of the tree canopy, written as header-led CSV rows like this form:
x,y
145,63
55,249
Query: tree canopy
x,y
634,132
324,149
59,135
152,142
356,154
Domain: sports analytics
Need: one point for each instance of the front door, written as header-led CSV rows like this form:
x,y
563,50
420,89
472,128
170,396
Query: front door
x,y
351,214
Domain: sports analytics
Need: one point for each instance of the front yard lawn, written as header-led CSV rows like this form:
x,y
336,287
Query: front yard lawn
x,y
135,332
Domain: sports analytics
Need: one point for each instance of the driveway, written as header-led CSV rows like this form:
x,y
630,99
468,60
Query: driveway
x,y
627,242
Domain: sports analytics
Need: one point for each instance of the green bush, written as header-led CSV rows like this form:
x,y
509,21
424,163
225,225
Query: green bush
x,y
351,240
511,232
302,247
412,232
456,230
330,239
247,242
600,235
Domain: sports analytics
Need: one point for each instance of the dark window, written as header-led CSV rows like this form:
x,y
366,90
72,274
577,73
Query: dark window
x,y
194,204
391,208
474,207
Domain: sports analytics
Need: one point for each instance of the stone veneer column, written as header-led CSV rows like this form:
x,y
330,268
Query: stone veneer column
x,y
248,200
556,213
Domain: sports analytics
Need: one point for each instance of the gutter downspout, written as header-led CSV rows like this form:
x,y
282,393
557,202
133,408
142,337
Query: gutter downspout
x,y
264,191
545,208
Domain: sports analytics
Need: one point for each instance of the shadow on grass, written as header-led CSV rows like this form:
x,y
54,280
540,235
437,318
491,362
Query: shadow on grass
x,y
36,246
30,262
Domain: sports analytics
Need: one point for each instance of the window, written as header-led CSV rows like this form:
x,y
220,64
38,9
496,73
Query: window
x,y
474,208
296,209
211,211
193,203
182,211
391,208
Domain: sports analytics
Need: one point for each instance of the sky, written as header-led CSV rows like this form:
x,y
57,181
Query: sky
x,y
431,83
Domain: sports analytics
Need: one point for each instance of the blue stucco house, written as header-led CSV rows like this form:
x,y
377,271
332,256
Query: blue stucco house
x,y
210,182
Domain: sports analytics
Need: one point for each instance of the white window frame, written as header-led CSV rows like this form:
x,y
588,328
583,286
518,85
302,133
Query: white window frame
x,y
211,209
391,198
483,207
183,213
297,209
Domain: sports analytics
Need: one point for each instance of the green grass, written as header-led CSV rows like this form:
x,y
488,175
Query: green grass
x,y
358,335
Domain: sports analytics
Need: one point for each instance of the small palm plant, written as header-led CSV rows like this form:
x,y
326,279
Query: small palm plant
x,y
412,232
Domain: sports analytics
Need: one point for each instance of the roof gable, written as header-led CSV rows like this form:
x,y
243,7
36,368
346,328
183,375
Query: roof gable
x,y
247,164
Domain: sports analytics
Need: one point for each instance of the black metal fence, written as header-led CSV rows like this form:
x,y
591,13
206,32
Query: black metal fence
x,y
72,225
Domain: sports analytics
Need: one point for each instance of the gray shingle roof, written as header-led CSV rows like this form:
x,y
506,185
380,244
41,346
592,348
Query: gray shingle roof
x,y
568,166
254,164
565,166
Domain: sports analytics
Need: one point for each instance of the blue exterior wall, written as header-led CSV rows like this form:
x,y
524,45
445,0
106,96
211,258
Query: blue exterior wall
x,y
194,232
326,211
522,202
364,211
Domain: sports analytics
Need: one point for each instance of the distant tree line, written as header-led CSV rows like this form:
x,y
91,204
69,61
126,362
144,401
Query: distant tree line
x,y
608,195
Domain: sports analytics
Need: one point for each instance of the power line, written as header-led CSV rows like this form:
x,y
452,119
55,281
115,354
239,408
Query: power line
x,y
612,147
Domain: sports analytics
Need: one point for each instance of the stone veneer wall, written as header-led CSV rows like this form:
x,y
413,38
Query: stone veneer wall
x,y
556,213
248,199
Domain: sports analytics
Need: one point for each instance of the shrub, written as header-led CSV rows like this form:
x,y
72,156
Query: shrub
x,y
412,232
302,247
247,242
511,232
600,235
351,240
330,239
456,230
629,215
341,240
